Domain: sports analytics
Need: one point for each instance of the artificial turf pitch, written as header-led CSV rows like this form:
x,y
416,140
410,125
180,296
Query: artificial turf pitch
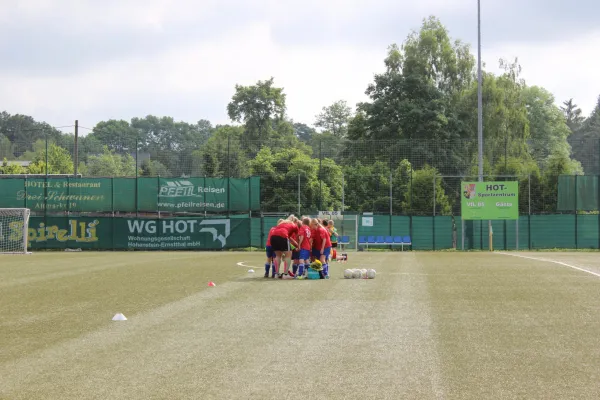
x,y
431,325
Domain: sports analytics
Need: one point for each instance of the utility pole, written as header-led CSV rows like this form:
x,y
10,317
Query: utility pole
x,y
76,148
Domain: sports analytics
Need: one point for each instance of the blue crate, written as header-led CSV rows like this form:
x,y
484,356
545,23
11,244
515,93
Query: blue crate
x,y
312,274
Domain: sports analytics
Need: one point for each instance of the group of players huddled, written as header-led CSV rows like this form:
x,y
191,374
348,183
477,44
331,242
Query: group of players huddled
x,y
298,242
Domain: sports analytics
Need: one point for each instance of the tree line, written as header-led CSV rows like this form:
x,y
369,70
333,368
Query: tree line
x,y
420,121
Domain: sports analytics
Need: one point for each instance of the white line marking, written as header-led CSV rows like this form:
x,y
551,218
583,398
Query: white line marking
x,y
243,264
552,261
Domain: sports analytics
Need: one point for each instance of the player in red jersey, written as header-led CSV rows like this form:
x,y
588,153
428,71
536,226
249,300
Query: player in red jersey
x,y
315,239
325,247
304,240
280,242
295,252
270,263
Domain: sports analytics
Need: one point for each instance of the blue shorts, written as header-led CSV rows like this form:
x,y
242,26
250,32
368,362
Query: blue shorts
x,y
315,253
295,255
327,252
270,252
304,254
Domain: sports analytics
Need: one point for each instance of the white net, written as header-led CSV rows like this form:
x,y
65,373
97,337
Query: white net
x,y
13,230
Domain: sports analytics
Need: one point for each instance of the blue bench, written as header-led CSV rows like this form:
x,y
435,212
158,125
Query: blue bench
x,y
343,240
384,241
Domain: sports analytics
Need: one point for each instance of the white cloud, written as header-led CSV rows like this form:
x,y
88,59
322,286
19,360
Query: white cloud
x,y
195,78
312,78
568,69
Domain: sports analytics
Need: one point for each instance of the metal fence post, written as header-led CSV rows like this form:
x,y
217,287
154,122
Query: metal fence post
x,y
320,175
158,194
46,135
410,195
137,208
343,192
575,210
433,218
391,198
529,213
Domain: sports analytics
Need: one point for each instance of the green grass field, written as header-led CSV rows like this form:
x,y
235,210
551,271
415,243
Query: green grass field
x,y
430,326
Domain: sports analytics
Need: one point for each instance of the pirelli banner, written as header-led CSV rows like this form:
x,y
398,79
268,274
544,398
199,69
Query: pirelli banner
x,y
131,194
107,233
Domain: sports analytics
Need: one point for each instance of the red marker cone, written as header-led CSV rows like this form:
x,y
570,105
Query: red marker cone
x,y
211,284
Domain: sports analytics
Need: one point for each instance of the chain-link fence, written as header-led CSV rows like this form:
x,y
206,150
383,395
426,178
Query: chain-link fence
x,y
324,173
412,187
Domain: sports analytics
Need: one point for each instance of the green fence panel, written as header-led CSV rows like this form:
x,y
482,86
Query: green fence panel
x,y
587,231
511,234
256,232
268,223
422,238
400,225
381,226
348,227
123,194
105,233
255,193
239,195
14,194
552,231
582,188
444,227
500,233
472,234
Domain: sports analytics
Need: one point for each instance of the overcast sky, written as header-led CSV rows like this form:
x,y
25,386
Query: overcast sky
x,y
93,60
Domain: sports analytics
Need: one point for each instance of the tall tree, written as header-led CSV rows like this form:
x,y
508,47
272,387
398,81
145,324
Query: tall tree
x,y
303,132
23,131
117,135
505,123
335,118
59,161
416,99
586,142
222,155
431,54
572,114
6,148
171,142
110,163
257,106
547,125
281,170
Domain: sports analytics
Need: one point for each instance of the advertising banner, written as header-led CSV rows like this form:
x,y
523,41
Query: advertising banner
x,y
105,233
130,194
490,200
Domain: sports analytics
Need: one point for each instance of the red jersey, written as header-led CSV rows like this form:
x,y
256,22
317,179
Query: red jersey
x,y
325,237
269,236
305,231
314,233
294,236
285,230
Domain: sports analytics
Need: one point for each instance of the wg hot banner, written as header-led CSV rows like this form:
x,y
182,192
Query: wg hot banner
x,y
106,233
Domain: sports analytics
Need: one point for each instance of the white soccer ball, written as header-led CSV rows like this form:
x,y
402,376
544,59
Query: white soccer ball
x,y
363,273
356,273
348,274
371,274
